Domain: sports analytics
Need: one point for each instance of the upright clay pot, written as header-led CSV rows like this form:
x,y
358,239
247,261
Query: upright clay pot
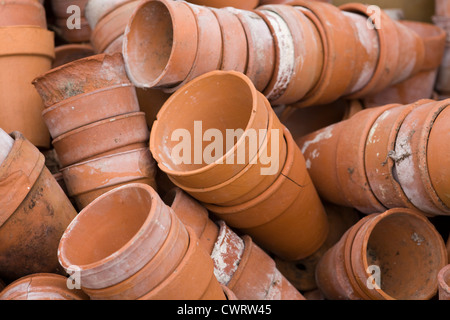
x,y
86,181
25,53
193,215
160,43
288,219
22,13
127,227
41,286
444,283
238,106
401,244
34,213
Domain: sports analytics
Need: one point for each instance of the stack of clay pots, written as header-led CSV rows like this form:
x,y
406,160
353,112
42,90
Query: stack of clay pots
x,y
34,210
442,20
340,55
239,263
258,185
26,50
393,255
384,157
67,13
137,249
41,286
99,134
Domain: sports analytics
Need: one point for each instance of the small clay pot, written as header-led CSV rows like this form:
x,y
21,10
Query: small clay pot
x,y
32,207
193,278
108,136
154,59
86,181
112,25
193,215
88,108
22,13
238,106
444,283
234,41
288,219
401,242
244,5
80,77
26,52
41,286
261,48
70,52
154,272
128,226
209,46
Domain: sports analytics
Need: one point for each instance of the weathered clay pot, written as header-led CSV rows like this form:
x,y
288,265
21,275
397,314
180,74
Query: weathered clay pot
x,y
249,182
33,208
234,41
293,78
261,48
193,278
22,13
209,45
86,181
288,219
112,25
245,5
444,283
238,105
104,137
154,272
25,53
339,44
70,52
193,215
128,226
80,77
402,243
41,286
152,58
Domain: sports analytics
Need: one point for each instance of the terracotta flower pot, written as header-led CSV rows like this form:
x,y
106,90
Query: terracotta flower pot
x,y
25,53
249,182
339,44
22,13
245,5
209,46
152,58
80,77
162,265
444,283
402,243
288,219
238,106
101,138
234,41
128,226
193,278
293,78
70,52
112,25
257,277
86,181
193,215
261,48
33,208
41,286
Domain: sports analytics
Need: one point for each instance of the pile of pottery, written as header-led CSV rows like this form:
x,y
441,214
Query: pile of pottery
x,y
341,56
99,133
